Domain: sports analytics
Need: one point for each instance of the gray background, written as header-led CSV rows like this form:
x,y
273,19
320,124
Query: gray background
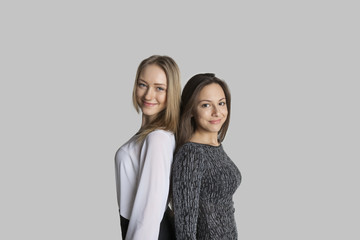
x,y
67,70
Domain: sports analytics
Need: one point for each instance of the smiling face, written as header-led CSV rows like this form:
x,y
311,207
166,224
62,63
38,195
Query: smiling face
x,y
210,112
151,91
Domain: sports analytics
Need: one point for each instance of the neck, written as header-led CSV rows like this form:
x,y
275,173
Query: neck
x,y
210,138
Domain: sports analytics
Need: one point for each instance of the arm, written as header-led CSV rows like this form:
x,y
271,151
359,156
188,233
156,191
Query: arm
x,y
186,179
153,186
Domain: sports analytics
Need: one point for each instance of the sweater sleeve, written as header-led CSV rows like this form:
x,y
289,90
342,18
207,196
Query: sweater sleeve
x,y
186,179
153,186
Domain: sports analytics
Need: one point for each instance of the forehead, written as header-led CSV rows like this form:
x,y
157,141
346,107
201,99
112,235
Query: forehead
x,y
153,74
212,91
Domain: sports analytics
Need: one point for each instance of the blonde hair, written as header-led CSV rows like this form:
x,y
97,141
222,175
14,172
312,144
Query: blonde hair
x,y
168,118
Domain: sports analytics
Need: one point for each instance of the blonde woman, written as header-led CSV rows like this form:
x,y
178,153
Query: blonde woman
x,y
143,164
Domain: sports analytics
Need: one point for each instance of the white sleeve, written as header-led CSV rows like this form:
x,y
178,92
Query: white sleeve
x,y
153,186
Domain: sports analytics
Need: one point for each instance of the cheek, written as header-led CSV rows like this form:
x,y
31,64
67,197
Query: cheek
x,y
225,111
162,98
225,114
139,93
225,117
202,114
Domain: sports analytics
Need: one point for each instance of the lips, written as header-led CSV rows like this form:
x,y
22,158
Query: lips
x,y
215,121
147,104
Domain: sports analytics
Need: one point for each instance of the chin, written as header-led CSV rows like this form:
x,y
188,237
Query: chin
x,y
216,130
149,113
213,130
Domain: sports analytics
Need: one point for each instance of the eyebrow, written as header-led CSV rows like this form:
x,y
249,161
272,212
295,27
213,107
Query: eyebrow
x,y
210,101
157,84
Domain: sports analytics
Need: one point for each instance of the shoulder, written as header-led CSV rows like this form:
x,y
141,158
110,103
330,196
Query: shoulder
x,y
190,148
189,152
161,132
188,159
160,139
160,135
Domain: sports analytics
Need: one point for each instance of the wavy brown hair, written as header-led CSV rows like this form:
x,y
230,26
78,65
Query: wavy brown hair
x,y
189,97
168,118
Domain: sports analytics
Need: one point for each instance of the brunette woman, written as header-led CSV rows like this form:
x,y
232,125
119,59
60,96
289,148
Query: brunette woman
x,y
204,177
143,164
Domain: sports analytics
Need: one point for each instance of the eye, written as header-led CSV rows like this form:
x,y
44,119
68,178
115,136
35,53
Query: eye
x,y
205,105
142,85
222,103
160,89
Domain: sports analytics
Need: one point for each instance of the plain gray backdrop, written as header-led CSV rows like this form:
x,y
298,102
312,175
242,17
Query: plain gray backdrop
x,y
67,70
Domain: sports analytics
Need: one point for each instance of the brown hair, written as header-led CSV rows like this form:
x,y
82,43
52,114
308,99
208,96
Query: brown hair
x,y
168,118
190,93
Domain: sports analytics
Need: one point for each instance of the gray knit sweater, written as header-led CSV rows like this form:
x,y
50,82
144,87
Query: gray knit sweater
x,y
204,180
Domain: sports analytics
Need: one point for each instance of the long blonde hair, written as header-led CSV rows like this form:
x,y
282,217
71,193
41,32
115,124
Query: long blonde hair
x,y
168,118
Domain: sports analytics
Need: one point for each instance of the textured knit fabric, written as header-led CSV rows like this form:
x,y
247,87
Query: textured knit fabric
x,y
142,182
204,181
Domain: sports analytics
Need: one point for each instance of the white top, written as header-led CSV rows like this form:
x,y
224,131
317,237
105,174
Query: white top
x,y
142,182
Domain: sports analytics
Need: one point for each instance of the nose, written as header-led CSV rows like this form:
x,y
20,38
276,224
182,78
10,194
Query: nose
x,y
149,95
215,111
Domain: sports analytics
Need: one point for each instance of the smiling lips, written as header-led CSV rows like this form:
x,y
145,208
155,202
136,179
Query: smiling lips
x,y
147,104
215,121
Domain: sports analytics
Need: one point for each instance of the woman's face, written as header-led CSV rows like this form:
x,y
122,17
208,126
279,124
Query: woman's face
x,y
210,109
151,90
